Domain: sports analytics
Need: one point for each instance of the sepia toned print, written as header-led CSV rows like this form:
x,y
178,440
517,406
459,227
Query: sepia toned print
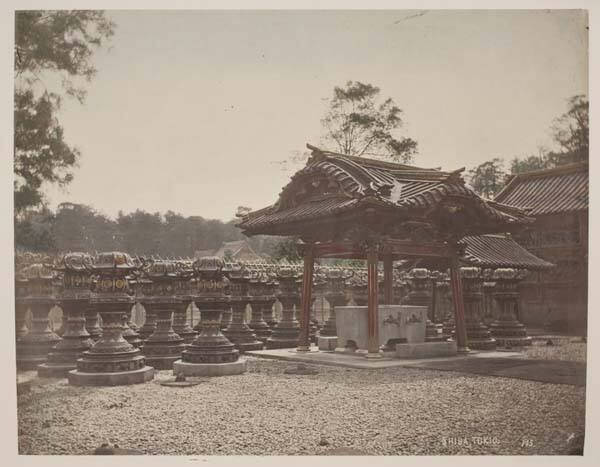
x,y
332,233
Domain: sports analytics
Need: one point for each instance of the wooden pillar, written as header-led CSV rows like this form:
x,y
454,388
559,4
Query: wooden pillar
x,y
388,280
459,306
372,262
306,303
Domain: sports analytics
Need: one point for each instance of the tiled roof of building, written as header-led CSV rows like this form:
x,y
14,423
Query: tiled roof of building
x,y
500,251
360,182
236,248
561,189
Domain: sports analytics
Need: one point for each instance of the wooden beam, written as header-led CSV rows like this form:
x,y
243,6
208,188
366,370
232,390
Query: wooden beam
x,y
373,328
396,249
388,280
459,305
306,299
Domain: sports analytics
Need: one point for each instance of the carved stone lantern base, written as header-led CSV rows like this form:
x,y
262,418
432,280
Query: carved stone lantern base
x,y
20,327
164,346
479,337
75,341
285,334
112,360
130,334
92,324
181,326
149,325
510,334
239,333
33,348
211,353
257,323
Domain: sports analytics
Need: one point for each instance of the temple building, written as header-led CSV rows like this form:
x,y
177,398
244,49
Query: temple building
x,y
558,200
350,207
238,250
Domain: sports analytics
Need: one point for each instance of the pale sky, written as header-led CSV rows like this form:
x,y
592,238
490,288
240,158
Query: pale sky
x,y
190,109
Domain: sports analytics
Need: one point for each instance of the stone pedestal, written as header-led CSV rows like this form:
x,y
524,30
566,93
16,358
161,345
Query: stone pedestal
x,y
478,335
164,346
75,340
211,353
180,323
257,323
20,313
36,292
130,334
507,330
268,316
112,360
287,331
92,323
238,331
75,297
261,301
149,325
225,319
33,348
20,306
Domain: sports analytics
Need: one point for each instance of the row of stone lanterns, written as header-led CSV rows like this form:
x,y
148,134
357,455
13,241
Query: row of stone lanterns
x,y
105,285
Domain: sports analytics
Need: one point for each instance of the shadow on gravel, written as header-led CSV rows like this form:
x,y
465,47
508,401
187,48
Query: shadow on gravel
x,y
545,371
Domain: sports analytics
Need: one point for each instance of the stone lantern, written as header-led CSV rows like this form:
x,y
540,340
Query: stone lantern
x,y
444,303
33,348
260,299
335,294
183,290
130,334
271,287
358,285
478,335
507,330
420,295
91,315
144,297
287,331
164,345
76,269
21,305
238,331
112,360
211,353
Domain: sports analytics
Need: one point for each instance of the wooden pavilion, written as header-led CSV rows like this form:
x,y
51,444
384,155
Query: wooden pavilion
x,y
342,206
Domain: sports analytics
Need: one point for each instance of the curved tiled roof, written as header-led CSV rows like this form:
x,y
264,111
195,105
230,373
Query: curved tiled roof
x,y
561,189
363,181
500,251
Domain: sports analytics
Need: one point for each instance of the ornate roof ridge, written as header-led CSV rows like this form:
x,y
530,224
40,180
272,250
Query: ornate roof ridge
x,y
317,152
542,173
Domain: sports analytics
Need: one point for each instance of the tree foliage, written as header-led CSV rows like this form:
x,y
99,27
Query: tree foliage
x,y
358,124
570,132
487,179
49,44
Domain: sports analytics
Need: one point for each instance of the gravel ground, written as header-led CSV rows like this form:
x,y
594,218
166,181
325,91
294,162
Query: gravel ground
x,y
563,349
266,412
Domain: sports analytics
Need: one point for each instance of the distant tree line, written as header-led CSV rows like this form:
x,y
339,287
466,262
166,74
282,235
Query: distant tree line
x,y
570,133
77,227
